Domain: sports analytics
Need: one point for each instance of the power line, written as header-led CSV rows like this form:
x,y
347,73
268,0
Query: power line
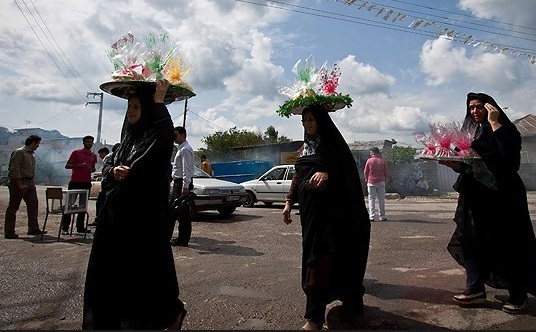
x,y
472,17
355,20
471,23
70,65
350,19
386,9
46,50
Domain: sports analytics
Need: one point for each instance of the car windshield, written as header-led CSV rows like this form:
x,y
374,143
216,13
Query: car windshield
x,y
199,173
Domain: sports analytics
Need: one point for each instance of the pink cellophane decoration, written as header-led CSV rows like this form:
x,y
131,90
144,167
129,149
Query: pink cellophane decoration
x,y
443,136
462,140
427,141
446,140
329,83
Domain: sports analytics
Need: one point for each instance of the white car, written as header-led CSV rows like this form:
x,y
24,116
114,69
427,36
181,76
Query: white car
x,y
215,194
272,186
211,194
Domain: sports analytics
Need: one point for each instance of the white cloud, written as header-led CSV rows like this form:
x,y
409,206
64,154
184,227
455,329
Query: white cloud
x,y
520,12
443,63
240,54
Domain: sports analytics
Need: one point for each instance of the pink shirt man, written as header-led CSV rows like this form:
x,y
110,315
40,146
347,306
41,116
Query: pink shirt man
x,y
82,156
376,169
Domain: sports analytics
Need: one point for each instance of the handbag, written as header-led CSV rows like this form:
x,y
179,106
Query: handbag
x,y
183,205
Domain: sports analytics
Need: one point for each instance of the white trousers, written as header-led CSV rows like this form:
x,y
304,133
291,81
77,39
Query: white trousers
x,y
376,190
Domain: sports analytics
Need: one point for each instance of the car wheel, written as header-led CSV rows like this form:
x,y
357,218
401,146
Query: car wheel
x,y
250,199
226,211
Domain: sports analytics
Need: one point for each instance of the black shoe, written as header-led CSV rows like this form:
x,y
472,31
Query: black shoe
x,y
11,236
470,298
177,243
36,232
512,308
83,230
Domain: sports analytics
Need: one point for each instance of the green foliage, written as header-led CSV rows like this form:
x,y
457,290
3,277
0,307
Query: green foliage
x,y
330,102
220,144
272,136
403,155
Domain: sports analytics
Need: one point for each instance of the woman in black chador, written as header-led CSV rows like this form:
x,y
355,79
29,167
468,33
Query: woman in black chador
x,y
494,239
131,281
334,219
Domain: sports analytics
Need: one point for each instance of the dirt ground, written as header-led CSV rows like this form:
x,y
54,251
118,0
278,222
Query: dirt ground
x,y
243,273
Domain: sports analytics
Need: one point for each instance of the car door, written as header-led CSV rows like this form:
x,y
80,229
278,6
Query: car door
x,y
271,185
288,181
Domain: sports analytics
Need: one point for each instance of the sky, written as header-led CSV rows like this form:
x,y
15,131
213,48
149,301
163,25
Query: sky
x,y
402,74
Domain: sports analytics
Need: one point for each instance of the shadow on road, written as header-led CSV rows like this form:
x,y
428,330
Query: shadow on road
x,y
208,246
215,217
374,319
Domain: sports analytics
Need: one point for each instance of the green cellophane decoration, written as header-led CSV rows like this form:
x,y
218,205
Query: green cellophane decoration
x,y
156,60
332,102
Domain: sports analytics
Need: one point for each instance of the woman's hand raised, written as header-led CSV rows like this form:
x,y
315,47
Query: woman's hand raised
x,y
161,89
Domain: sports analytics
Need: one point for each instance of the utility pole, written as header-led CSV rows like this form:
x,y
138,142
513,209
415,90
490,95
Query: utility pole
x,y
185,110
99,126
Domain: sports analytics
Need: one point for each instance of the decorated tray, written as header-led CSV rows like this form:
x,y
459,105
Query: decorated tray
x,y
123,89
448,158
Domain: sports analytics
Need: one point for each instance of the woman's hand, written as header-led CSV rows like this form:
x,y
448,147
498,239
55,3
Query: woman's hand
x,y
161,89
120,172
493,116
286,212
318,179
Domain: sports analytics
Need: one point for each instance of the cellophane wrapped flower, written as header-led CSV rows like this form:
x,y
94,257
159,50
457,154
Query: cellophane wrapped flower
x,y
175,71
462,141
158,53
306,80
313,86
329,83
446,140
428,142
154,59
125,57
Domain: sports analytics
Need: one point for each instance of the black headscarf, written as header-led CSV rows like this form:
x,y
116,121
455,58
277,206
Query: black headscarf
x,y
482,144
469,125
136,138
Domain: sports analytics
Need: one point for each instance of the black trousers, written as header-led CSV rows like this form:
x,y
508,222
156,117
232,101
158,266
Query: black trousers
x,y
185,222
66,220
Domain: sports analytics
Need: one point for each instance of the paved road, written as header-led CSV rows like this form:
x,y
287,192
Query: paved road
x,y
243,273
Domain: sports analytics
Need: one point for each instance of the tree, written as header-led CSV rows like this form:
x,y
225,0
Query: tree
x,y
403,155
272,136
220,144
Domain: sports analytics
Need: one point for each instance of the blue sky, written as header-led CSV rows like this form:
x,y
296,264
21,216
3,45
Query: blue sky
x,y
241,52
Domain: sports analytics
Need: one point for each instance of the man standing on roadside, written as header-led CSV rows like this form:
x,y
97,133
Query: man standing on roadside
x,y
82,163
205,165
182,173
376,173
21,185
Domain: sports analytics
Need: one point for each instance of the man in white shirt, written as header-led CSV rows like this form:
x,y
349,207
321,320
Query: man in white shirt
x,y
182,173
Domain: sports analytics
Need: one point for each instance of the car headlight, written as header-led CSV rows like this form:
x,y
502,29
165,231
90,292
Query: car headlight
x,y
211,191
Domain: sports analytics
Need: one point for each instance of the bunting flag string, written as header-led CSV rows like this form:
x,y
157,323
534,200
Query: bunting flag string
x,y
440,30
